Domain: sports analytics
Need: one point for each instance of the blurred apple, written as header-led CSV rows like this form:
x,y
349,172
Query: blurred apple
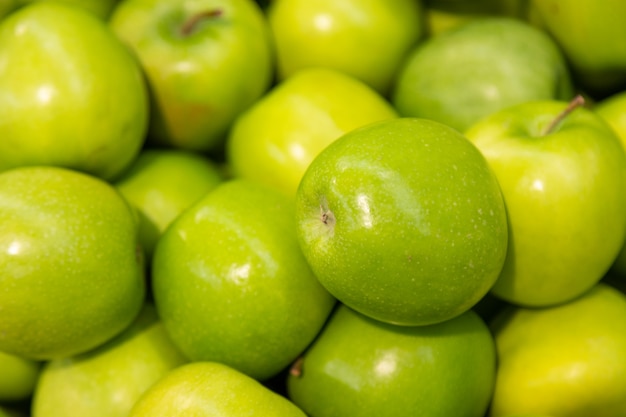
x,y
367,39
99,8
565,361
590,33
478,68
231,284
205,60
403,221
108,381
210,389
442,15
18,377
71,277
359,367
613,110
161,184
275,141
71,94
562,171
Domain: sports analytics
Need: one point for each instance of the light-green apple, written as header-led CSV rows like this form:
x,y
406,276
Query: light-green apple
x,y
210,389
231,284
205,61
275,141
567,360
17,378
403,221
99,8
367,39
108,381
71,276
590,34
161,184
562,171
478,68
360,367
71,93
613,110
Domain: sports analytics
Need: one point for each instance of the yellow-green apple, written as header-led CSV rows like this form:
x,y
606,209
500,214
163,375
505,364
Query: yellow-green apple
x,y
613,110
71,93
205,61
367,39
403,221
231,285
360,367
18,377
99,8
590,34
566,360
275,141
71,276
108,381
210,389
480,67
442,15
7,6
562,171
161,184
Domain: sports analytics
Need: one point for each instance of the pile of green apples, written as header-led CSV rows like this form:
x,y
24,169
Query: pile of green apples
x,y
323,208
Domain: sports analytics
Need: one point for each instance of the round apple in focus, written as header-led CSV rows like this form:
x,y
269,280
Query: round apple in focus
x,y
403,221
275,141
360,367
231,284
71,274
71,93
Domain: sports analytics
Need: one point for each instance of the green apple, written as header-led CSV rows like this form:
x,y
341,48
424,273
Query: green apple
x,y
367,39
478,68
71,93
275,141
99,8
360,367
442,15
403,221
589,33
108,381
231,284
161,184
206,61
613,110
562,172
210,389
567,360
18,377
71,276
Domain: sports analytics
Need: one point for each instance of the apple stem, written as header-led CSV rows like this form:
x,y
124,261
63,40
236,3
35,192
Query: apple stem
x,y
190,24
296,367
574,104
